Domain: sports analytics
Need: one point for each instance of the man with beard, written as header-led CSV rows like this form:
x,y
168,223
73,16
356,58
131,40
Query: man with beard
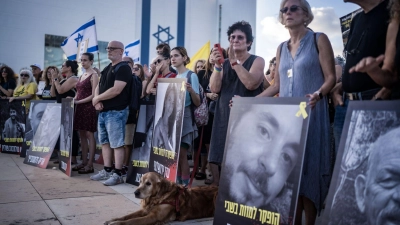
x,y
13,128
378,191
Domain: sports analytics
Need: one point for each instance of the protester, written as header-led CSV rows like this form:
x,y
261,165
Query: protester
x,y
85,119
37,72
26,89
46,94
138,71
386,76
198,65
112,100
241,74
7,82
367,38
314,79
179,59
162,63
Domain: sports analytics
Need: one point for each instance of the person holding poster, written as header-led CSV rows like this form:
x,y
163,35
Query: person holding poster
x,y
179,59
306,68
26,88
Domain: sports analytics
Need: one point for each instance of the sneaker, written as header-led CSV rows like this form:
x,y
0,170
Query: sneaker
x,y
124,171
114,180
102,175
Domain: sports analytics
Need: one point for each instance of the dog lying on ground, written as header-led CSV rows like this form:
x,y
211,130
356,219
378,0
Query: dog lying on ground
x,y
164,201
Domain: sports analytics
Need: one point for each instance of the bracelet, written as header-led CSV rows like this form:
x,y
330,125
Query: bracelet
x,y
218,69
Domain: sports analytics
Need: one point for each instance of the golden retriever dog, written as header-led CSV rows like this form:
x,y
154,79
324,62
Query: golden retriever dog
x,y
164,201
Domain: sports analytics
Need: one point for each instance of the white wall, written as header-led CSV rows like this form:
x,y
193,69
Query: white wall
x,y
24,24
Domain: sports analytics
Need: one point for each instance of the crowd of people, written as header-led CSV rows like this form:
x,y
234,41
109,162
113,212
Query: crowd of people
x,y
304,66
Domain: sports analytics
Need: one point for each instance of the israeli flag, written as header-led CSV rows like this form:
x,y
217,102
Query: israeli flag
x,y
87,32
133,50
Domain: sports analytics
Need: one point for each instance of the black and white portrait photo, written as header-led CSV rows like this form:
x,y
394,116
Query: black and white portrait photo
x,y
262,161
12,125
366,181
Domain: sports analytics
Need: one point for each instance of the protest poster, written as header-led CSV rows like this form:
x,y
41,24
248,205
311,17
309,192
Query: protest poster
x,y
263,158
365,182
36,111
12,125
168,119
345,22
139,161
67,119
45,138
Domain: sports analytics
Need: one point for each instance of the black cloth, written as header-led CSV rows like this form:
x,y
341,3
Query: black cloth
x,y
396,88
367,37
70,93
107,79
46,95
8,85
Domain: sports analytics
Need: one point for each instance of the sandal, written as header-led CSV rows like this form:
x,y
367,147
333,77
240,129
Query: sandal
x,y
78,167
200,176
86,170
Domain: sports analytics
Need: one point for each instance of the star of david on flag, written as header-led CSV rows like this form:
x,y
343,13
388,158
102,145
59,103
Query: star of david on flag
x,y
86,32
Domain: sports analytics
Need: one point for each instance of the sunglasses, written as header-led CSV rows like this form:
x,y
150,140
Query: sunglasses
x,y
135,69
292,8
24,75
111,49
4,71
158,61
239,37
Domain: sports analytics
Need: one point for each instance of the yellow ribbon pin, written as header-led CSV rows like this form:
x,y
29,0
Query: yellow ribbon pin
x,y
183,88
302,110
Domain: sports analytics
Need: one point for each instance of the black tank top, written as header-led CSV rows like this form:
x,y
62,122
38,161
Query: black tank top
x,y
70,93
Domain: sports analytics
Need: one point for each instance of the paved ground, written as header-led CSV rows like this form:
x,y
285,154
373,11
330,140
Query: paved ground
x,y
30,195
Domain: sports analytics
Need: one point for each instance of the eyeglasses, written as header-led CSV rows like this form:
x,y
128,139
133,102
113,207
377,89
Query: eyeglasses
x,y
239,37
24,75
274,63
4,71
158,61
135,69
111,49
292,8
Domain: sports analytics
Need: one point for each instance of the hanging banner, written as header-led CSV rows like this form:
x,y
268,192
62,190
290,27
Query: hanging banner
x,y
12,125
168,120
261,169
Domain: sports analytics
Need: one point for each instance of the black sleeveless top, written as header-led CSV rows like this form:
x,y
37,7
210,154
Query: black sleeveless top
x,y
70,93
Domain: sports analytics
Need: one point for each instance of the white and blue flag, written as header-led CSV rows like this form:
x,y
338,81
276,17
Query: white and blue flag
x,y
87,32
133,50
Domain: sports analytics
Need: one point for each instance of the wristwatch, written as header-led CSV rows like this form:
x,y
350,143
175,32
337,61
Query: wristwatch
x,y
319,94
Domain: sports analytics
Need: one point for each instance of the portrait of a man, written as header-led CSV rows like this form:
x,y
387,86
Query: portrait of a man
x,y
35,115
378,190
12,127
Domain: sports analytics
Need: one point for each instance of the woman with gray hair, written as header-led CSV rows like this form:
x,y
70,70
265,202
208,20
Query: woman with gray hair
x,y
306,68
26,88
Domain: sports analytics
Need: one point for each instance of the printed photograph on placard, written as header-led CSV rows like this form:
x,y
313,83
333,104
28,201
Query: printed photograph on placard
x,y
67,118
12,125
262,164
45,138
366,180
36,112
168,119
139,161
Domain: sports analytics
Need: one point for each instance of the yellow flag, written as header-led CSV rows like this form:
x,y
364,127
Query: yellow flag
x,y
203,53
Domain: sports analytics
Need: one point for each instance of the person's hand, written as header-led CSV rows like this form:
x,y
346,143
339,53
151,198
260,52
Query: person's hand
x,y
231,54
217,56
95,100
212,96
158,67
54,74
146,71
10,99
99,106
4,97
189,88
337,97
153,68
368,64
312,99
153,91
231,101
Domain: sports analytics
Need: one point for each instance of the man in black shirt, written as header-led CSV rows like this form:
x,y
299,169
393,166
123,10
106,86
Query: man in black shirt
x,y
367,37
112,100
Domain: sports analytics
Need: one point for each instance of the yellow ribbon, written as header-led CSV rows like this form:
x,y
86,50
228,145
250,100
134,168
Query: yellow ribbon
x,y
302,110
183,88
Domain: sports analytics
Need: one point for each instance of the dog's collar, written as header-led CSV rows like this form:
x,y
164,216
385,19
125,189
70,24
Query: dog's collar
x,y
176,203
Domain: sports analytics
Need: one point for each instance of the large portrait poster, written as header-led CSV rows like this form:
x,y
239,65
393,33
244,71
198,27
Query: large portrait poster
x,y
139,163
261,169
345,23
67,119
12,125
36,112
366,180
45,138
168,119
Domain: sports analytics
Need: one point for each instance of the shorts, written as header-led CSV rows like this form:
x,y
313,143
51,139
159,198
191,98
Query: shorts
x,y
111,127
129,133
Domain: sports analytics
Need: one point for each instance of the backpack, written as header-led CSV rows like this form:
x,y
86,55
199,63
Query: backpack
x,y
199,113
135,88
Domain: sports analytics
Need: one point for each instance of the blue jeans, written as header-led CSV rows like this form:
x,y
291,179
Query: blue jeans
x,y
111,127
340,116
